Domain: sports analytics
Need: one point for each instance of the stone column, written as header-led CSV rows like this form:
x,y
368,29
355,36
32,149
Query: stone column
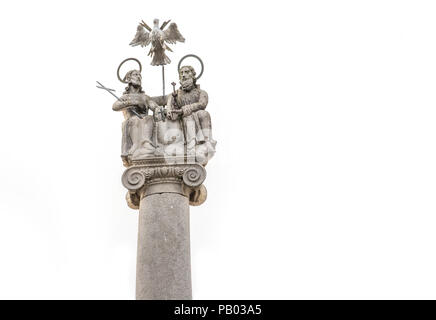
x,y
163,193
164,260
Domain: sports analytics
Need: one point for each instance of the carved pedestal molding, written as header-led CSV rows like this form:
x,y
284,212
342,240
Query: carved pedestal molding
x,y
170,175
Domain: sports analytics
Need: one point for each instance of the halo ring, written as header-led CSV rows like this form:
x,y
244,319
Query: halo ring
x,y
196,57
125,60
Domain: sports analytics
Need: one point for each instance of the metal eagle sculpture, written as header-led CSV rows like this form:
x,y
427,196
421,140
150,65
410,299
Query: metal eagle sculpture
x,y
158,37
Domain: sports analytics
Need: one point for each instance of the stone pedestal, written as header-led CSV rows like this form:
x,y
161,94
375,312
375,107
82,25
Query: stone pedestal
x,y
163,189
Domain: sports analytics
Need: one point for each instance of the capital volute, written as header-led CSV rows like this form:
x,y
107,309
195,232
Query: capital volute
x,y
146,178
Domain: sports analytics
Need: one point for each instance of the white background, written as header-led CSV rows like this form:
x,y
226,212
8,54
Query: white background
x,y
324,181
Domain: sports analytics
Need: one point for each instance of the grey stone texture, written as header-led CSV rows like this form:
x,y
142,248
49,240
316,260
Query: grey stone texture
x,y
163,191
160,175
165,155
164,261
180,125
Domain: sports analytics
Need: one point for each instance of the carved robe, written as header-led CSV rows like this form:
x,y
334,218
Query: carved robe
x,y
191,102
196,122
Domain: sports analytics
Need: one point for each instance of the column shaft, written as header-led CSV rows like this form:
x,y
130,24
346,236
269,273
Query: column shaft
x,y
163,269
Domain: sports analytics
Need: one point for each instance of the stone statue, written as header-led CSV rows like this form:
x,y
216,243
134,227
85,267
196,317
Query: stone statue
x,y
137,133
158,37
165,155
181,131
188,103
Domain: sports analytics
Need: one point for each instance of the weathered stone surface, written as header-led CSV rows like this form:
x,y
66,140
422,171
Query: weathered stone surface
x,y
164,262
165,155
198,196
165,189
158,175
180,125
137,132
188,105
159,38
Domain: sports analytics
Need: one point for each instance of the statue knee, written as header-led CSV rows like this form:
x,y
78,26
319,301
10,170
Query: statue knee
x,y
203,114
133,121
204,118
147,126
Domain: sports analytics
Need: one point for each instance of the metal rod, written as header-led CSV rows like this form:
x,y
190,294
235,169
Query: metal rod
x,y
163,82
110,91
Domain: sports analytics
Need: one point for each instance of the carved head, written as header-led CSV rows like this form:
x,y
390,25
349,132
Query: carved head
x,y
134,80
133,77
187,77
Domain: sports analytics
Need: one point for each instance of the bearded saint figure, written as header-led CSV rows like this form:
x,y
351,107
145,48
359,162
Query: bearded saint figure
x,y
137,133
189,105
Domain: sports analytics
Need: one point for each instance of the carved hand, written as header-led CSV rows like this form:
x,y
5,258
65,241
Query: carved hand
x,y
173,114
187,111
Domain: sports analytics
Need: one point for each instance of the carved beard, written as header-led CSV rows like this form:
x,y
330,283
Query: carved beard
x,y
132,86
187,84
135,82
188,97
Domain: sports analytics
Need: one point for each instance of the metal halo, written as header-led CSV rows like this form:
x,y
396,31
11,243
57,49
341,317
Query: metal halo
x,y
196,57
125,60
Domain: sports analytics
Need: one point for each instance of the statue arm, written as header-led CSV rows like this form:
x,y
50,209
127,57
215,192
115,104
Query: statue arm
x,y
194,107
119,105
151,103
130,100
160,100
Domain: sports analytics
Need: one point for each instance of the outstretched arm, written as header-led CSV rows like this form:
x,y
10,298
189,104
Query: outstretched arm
x,y
152,104
160,100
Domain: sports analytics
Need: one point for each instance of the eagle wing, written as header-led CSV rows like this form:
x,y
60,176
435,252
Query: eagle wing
x,y
142,37
172,34
164,24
